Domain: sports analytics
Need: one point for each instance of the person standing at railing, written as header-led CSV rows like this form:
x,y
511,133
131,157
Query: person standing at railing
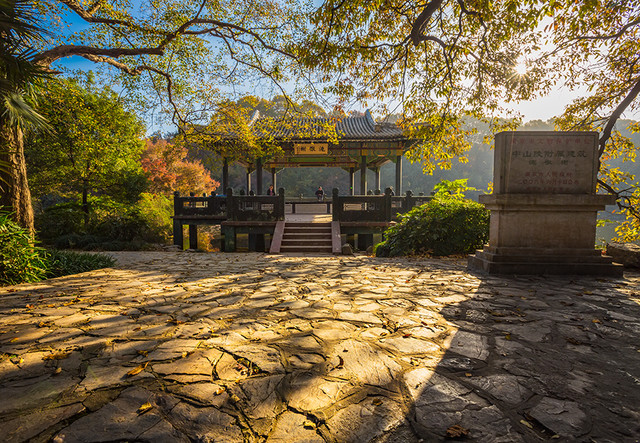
x,y
320,193
271,192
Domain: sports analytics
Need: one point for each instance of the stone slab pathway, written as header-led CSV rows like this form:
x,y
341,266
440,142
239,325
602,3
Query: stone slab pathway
x,y
250,347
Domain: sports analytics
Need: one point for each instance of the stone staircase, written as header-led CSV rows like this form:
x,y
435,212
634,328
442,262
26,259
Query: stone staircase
x,y
306,237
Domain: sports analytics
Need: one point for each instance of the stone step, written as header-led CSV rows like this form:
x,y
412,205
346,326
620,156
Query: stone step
x,y
306,248
305,235
307,224
310,242
307,229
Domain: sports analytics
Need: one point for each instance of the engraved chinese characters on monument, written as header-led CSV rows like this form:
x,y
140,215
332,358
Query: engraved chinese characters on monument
x,y
546,162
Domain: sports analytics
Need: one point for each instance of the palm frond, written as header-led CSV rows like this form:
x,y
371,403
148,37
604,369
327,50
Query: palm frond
x,y
20,113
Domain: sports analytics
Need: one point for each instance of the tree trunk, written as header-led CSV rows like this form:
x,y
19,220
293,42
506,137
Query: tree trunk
x,y
85,203
15,196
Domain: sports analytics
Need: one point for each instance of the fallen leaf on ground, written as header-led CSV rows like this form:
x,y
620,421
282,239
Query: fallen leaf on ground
x,y
144,408
376,402
456,431
137,370
527,424
60,355
308,424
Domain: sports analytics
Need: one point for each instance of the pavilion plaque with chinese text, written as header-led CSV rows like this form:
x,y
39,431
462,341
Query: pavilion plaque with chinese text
x,y
541,162
311,148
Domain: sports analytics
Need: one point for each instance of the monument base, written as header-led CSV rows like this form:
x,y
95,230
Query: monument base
x,y
544,234
529,261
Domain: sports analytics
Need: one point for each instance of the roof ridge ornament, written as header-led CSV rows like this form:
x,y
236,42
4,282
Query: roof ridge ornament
x,y
377,127
254,117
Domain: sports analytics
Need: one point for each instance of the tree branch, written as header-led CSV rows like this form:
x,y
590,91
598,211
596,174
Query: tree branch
x,y
606,133
137,71
612,36
87,15
420,24
51,55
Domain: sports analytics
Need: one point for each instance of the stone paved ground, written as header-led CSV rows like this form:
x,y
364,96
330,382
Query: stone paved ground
x,y
250,347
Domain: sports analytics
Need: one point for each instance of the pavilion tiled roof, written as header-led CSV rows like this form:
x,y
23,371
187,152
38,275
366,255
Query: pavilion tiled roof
x,y
354,128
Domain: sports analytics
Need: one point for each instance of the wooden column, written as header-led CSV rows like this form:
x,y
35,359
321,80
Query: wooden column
x,y
273,178
352,181
398,190
377,171
193,237
225,175
259,176
248,182
363,175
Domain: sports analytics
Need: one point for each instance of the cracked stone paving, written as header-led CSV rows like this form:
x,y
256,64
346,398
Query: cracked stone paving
x,y
178,346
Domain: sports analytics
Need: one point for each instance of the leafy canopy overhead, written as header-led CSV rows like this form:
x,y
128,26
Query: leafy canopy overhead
x,y
183,57
444,60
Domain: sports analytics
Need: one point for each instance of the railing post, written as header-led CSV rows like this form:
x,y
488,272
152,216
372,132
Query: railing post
x,y
177,223
231,212
407,202
387,204
337,205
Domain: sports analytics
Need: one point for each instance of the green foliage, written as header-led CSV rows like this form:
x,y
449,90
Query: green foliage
x,y
452,189
444,226
20,260
156,210
111,225
94,147
60,263
20,30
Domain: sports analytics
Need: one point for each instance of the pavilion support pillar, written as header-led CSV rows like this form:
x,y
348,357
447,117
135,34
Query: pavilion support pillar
x,y
259,176
225,175
398,190
273,178
363,175
248,181
193,237
352,181
377,171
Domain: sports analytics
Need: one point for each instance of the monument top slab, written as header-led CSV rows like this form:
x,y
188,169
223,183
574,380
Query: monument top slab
x,y
545,162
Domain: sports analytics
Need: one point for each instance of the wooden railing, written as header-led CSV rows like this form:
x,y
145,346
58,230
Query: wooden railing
x,y
230,207
255,207
373,208
205,206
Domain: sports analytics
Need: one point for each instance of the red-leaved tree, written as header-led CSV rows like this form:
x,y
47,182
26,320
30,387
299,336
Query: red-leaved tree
x,y
168,170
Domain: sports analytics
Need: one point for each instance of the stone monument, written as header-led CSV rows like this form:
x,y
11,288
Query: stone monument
x,y
544,206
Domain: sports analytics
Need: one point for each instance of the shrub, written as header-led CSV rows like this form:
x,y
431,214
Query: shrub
x,y
156,211
61,263
444,226
20,259
109,225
